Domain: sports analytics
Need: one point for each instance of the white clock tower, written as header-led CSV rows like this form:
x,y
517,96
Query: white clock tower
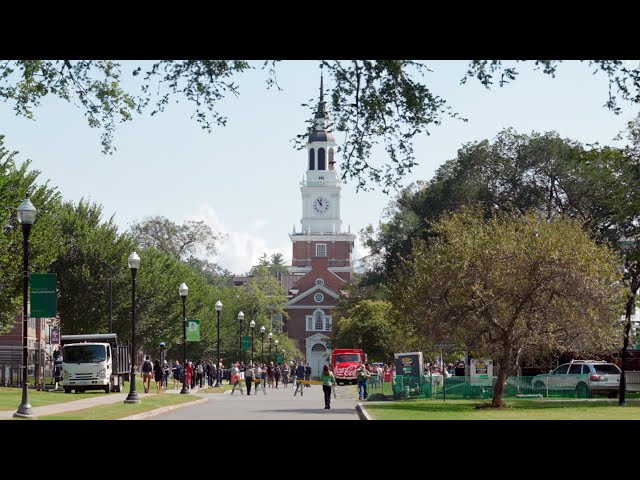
x,y
321,234
320,186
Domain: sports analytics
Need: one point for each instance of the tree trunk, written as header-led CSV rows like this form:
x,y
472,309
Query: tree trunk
x,y
625,345
503,374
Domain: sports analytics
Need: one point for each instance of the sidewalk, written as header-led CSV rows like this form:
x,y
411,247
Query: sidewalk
x,y
87,400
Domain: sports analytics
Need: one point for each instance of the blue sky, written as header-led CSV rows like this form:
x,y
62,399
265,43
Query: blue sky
x,y
243,179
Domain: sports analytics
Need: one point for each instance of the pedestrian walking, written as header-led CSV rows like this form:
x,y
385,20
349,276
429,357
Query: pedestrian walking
x,y
147,369
158,373
276,374
307,374
177,374
328,381
248,378
285,375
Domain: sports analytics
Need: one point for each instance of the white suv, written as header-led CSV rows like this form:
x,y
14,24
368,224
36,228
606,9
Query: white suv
x,y
582,376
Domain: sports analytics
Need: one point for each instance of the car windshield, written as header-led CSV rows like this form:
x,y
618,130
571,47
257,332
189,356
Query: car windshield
x,y
347,357
84,354
608,368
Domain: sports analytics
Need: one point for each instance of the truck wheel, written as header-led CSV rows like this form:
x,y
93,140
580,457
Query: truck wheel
x,y
67,390
106,389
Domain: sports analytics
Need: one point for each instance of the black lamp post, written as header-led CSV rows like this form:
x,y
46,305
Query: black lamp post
x,y
283,353
26,217
252,325
270,339
240,318
627,247
110,300
184,291
275,342
134,264
219,373
262,330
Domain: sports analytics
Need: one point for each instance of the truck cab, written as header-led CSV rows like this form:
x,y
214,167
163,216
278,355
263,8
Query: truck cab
x,y
344,362
93,362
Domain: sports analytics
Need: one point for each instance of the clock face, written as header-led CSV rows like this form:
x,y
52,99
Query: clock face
x,y
321,205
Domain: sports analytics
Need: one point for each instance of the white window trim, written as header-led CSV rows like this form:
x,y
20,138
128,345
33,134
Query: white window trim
x,y
325,249
321,297
310,322
319,281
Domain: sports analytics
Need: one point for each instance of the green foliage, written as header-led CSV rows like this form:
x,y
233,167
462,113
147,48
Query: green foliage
x,y
92,248
511,286
372,102
369,326
181,241
16,183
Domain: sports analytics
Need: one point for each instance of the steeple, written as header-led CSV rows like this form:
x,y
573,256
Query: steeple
x,y
320,133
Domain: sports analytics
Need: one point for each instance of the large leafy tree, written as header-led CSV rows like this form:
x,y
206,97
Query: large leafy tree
x,y
373,102
597,186
17,181
371,327
180,240
93,249
512,285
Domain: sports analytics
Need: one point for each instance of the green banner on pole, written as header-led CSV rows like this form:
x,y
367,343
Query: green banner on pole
x,y
42,295
193,330
279,358
246,343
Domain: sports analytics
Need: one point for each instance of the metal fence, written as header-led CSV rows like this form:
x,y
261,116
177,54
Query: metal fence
x,y
481,387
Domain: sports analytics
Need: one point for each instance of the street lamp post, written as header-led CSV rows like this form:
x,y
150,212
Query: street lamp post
x,y
240,318
270,338
134,264
275,342
218,372
283,355
627,247
110,300
262,330
184,291
26,217
252,325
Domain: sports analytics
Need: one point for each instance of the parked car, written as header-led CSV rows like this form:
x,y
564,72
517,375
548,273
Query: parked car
x,y
582,376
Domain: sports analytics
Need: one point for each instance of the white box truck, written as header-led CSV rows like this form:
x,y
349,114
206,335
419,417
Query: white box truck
x,y
93,362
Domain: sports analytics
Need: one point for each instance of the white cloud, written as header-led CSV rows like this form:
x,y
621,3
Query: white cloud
x,y
239,251
259,223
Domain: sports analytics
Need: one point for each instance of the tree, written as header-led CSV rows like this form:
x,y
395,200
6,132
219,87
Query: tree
x,y
382,101
509,286
369,326
181,241
16,183
91,247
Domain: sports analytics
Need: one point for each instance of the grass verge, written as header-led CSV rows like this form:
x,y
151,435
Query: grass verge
x,y
517,410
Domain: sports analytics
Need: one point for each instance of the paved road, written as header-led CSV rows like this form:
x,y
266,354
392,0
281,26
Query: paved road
x,y
277,404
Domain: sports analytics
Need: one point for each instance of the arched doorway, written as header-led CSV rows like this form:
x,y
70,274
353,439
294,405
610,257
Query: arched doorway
x,y
317,359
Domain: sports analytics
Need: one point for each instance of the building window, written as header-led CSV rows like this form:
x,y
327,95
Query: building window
x,y
318,347
319,281
319,320
321,250
331,160
312,159
327,323
309,323
321,162
318,297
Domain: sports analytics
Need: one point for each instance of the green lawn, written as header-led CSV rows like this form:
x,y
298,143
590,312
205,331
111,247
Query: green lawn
x,y
10,398
519,410
121,409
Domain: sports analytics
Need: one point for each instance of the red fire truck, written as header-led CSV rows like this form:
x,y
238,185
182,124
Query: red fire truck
x,y
344,362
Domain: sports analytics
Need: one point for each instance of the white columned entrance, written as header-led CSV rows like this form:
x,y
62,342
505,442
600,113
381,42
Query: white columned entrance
x,y
318,355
